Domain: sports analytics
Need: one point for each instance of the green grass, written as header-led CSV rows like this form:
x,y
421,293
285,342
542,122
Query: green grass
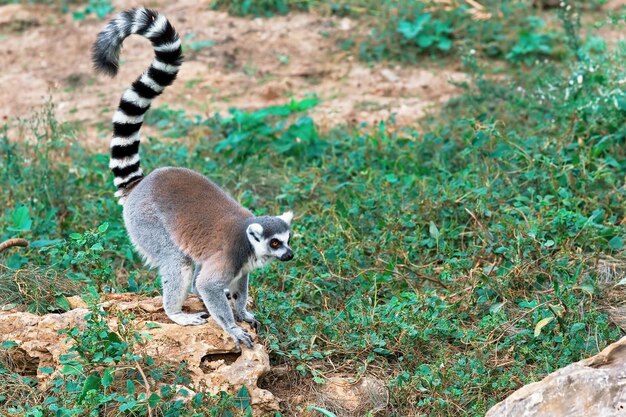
x,y
454,259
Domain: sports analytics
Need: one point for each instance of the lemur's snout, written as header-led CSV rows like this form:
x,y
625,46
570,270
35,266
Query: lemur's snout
x,y
287,256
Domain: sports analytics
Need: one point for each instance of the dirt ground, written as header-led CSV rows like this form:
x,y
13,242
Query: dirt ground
x,y
253,63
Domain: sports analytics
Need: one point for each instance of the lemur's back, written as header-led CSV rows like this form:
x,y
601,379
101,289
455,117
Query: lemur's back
x,y
190,207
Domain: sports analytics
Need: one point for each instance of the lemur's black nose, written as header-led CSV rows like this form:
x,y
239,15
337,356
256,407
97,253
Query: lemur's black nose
x,y
287,256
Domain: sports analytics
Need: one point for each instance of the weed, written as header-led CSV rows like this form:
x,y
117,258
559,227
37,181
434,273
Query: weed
x,y
101,8
425,34
249,133
531,43
261,7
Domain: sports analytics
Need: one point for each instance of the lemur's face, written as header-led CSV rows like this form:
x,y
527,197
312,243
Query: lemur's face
x,y
270,236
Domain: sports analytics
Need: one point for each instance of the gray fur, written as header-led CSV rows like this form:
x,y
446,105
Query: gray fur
x,y
272,226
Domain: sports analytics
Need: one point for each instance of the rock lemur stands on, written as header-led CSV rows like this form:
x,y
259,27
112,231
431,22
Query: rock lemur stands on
x,y
178,219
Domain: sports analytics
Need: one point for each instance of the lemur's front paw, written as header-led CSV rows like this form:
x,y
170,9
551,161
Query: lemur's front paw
x,y
248,318
185,319
240,336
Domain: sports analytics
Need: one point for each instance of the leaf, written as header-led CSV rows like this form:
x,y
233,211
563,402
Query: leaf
x,y
20,220
542,323
433,230
151,325
103,227
44,242
319,380
79,15
130,386
107,378
72,369
391,178
242,398
201,44
616,243
46,370
407,29
113,337
9,344
128,406
425,41
444,44
96,247
620,102
153,400
411,29
589,289
495,308
166,390
304,104
63,302
321,410
92,383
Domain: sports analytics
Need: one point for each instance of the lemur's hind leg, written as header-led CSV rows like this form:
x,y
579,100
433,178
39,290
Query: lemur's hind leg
x,y
176,269
196,271
176,274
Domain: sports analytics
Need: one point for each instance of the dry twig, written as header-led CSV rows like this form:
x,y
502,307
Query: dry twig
x,y
13,242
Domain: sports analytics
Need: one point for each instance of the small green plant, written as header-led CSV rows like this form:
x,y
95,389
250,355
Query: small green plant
x,y
246,133
171,123
426,34
196,45
85,256
101,8
406,31
532,43
261,7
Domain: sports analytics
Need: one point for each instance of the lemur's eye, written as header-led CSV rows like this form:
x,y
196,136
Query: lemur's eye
x,y
275,243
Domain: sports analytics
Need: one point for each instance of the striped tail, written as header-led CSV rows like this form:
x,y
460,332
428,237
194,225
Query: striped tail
x,y
137,98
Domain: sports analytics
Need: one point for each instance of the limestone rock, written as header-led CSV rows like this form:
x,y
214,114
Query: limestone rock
x,y
208,351
592,387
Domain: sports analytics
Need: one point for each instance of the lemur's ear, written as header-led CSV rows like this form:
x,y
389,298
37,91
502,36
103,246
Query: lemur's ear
x,y
287,217
255,231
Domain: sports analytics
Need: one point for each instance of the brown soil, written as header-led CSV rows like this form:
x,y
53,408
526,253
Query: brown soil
x,y
253,63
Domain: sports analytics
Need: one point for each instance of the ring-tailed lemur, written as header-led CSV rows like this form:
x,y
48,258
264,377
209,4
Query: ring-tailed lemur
x,y
176,218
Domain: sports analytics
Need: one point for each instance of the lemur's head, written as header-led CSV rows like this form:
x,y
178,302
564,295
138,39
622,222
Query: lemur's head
x,y
270,235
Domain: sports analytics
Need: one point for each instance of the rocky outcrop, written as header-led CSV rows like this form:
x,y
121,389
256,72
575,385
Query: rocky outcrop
x,y
208,351
591,387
